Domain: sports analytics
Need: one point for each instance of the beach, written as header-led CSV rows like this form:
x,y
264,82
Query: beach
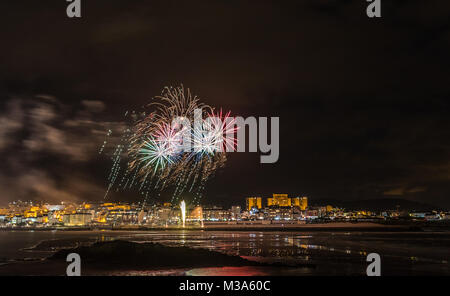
x,y
337,251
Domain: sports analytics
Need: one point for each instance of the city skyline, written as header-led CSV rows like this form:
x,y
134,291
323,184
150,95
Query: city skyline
x,y
358,121
257,211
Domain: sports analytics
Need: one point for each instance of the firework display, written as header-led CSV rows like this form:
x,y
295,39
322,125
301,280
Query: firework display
x,y
162,149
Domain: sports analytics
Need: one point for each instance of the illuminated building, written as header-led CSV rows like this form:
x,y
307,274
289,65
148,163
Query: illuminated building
x,y
49,207
87,206
77,219
17,220
196,214
122,215
142,217
163,214
281,200
235,212
115,206
33,212
277,213
312,214
20,206
216,214
301,202
54,217
253,202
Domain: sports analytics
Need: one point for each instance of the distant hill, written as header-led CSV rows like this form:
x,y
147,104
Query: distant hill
x,y
376,204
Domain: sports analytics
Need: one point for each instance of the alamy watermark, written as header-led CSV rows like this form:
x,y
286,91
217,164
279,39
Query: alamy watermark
x,y
374,268
74,268
74,8
374,8
229,135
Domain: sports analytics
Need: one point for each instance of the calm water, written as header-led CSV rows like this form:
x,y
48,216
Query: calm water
x,y
332,253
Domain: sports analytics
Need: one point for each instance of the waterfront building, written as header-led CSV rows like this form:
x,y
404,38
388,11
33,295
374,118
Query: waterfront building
x,y
278,213
280,200
216,214
196,214
77,219
54,217
253,202
301,202
235,212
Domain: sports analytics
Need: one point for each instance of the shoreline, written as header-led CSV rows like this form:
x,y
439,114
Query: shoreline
x,y
324,256
334,226
106,258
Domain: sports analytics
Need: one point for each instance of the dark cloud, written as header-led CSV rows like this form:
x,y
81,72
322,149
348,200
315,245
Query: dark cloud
x,y
48,147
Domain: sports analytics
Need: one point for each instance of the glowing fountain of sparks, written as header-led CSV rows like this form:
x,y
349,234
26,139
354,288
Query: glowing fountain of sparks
x,y
183,212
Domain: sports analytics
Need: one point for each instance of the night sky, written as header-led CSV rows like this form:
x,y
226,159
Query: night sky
x,y
363,103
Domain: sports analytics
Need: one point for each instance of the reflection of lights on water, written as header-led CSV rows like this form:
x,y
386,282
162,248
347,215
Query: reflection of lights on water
x,y
318,247
183,212
228,271
183,236
298,247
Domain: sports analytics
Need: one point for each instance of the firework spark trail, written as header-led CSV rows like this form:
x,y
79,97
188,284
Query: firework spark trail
x,y
105,141
155,148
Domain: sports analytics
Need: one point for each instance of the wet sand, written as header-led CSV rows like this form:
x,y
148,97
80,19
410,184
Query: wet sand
x,y
247,226
123,257
333,252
